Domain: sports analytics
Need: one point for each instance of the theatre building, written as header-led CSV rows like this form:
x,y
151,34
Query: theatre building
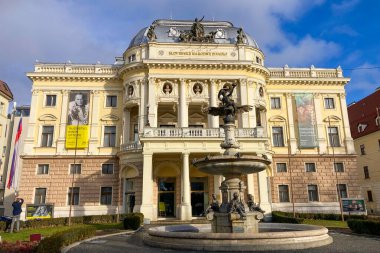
x,y
141,122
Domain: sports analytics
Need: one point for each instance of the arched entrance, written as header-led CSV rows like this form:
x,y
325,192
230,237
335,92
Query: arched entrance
x,y
199,192
128,175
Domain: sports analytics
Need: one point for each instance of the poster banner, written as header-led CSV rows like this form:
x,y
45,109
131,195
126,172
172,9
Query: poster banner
x,y
78,108
39,211
307,133
353,205
74,141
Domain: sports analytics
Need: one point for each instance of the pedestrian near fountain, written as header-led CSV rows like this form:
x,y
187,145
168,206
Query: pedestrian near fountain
x,y
17,209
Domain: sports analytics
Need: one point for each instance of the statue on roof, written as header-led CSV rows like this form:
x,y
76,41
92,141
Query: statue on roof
x,y
197,29
241,37
151,34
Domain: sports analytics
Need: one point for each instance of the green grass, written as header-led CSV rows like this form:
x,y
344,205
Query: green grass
x,y
327,223
24,234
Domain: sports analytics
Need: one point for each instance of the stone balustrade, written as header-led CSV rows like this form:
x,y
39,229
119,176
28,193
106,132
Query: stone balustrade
x,y
311,72
131,146
76,68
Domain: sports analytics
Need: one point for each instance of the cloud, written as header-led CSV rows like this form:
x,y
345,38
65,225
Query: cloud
x,y
344,6
345,30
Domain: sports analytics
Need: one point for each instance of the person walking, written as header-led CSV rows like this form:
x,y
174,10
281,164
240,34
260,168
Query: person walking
x,y
17,209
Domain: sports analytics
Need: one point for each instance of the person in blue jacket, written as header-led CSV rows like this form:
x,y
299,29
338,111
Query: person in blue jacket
x,y
17,204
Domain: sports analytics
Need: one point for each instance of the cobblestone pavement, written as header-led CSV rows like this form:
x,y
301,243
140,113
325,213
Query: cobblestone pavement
x,y
343,243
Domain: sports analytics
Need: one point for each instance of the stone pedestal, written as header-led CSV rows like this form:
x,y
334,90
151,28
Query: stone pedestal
x,y
228,188
224,223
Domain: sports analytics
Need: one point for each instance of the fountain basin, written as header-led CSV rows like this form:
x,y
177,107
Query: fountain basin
x,y
271,236
228,164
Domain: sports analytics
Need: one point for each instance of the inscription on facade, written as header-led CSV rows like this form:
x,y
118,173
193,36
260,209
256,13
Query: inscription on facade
x,y
196,53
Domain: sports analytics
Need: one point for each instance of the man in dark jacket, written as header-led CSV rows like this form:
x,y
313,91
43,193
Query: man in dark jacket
x,y
16,213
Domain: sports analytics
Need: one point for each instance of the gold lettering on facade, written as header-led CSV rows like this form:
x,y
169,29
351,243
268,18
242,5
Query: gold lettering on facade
x,y
197,53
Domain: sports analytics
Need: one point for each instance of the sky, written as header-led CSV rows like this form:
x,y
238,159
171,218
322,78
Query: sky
x,y
299,33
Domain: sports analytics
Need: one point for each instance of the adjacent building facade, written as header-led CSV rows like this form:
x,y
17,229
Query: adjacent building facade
x,y
365,129
144,116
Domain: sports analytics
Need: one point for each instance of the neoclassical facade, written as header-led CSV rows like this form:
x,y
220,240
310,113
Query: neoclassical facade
x,y
146,122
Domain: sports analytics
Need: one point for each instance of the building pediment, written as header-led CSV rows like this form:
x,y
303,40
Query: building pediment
x,y
332,119
277,118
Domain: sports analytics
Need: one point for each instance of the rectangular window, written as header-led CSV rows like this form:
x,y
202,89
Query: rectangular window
x,y
4,150
278,138
275,103
369,195
310,167
43,169
135,132
132,58
47,136
74,193
362,149
76,168
51,100
366,172
40,196
106,196
334,137
283,192
378,142
107,168
338,167
111,101
109,136
281,167
342,190
329,103
313,192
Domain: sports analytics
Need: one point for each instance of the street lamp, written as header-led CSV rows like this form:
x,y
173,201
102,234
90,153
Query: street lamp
x,y
73,171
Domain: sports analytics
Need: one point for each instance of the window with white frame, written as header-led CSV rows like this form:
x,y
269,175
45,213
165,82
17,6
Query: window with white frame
x,y
334,137
283,193
310,167
76,168
312,190
275,103
106,195
51,100
338,167
329,103
111,101
109,136
107,168
278,137
342,190
39,196
281,167
73,196
42,169
47,136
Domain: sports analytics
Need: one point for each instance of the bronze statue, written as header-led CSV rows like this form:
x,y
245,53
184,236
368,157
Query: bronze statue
x,y
240,38
253,206
197,29
235,206
151,34
214,205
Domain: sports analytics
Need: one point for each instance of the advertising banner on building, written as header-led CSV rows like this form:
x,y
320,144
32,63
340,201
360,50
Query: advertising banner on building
x,y
43,211
76,137
78,108
353,205
307,134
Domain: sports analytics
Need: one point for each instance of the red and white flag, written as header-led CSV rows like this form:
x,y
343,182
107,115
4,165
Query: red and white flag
x,y
13,174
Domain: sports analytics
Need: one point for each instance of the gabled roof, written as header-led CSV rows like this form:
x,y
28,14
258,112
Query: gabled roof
x,y
5,91
365,112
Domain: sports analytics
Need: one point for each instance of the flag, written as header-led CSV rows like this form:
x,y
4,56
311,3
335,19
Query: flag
x,y
13,175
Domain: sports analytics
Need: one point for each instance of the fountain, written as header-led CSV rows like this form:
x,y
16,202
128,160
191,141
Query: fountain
x,y
235,223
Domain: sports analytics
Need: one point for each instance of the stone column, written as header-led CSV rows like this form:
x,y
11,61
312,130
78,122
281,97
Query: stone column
x,y
185,183
142,108
243,117
213,121
217,181
152,115
147,187
291,134
263,192
251,102
183,108
349,142
127,125
250,184
320,126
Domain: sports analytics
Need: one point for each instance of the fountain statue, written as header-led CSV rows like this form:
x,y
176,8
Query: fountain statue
x,y
235,223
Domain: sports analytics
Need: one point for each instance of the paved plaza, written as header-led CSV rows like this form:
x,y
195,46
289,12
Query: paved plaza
x,y
344,243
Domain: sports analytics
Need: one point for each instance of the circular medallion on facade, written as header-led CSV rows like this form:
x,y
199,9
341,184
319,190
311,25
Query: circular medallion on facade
x,y
233,54
197,88
261,91
167,88
130,91
161,52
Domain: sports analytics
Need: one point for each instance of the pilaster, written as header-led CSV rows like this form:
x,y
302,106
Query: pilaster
x,y
320,126
29,142
183,107
292,135
264,192
147,188
142,106
213,121
349,142
243,117
152,115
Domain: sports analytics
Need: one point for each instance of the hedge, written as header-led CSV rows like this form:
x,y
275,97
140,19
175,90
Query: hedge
x,y
54,243
133,221
322,216
364,226
281,218
40,223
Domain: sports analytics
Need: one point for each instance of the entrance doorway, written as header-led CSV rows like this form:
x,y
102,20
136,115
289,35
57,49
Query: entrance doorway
x,y
199,196
166,197
129,196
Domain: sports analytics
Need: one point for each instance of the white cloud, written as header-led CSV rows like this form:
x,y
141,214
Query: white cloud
x,y
364,79
344,6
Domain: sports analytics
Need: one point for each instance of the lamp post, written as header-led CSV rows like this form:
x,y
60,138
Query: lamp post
x,y
291,178
73,172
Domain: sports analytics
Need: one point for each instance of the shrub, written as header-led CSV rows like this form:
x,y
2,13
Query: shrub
x,y
322,216
133,221
280,217
364,226
58,240
24,247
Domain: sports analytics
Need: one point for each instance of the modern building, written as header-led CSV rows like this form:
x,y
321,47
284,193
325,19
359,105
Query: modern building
x,y
141,122
364,118
6,96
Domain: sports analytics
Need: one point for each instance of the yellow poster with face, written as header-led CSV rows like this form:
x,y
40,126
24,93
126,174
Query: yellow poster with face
x,y
76,136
